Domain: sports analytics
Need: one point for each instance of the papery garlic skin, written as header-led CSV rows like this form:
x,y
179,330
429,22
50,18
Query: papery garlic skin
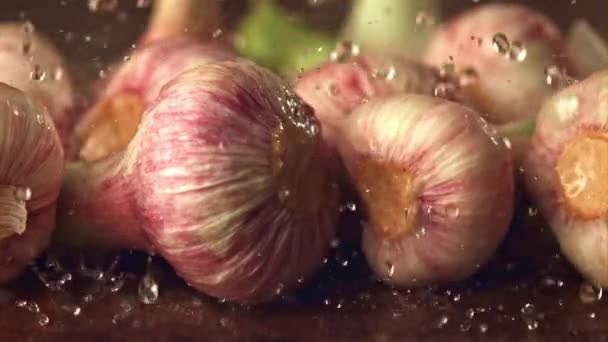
x,y
111,123
225,179
577,112
31,170
29,62
457,183
335,89
511,83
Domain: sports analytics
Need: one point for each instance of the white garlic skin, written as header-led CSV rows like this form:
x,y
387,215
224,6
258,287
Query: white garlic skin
x,y
462,181
508,89
579,109
30,63
31,169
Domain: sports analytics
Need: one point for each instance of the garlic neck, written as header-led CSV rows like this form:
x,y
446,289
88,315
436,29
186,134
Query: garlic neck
x,y
13,213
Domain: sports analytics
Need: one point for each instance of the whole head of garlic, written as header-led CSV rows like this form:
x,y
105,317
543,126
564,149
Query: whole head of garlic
x,y
566,173
31,170
435,184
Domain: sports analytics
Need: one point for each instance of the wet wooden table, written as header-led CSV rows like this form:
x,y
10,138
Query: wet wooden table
x,y
527,293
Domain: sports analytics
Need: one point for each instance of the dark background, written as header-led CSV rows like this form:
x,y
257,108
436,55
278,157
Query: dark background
x,y
527,293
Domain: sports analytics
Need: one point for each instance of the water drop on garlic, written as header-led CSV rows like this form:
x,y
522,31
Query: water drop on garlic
x,y
501,44
518,51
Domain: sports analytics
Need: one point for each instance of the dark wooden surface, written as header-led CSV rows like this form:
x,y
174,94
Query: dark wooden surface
x,y
528,293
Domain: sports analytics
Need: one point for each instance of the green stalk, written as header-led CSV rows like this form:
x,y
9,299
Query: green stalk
x,y
270,36
392,26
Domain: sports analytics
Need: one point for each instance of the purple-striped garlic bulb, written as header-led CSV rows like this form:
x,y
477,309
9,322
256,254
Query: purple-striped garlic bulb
x,y
506,49
336,88
32,64
566,173
172,44
224,179
437,189
31,171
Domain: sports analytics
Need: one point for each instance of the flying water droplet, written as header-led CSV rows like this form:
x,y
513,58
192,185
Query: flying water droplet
x,y
37,73
518,51
442,322
344,52
501,44
23,194
147,290
589,294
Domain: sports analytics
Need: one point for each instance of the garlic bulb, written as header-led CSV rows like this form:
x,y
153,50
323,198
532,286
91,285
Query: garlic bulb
x,y
224,178
566,173
436,186
30,177
507,47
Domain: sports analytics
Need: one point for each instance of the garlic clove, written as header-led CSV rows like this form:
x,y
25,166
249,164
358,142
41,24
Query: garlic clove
x,y
565,173
420,165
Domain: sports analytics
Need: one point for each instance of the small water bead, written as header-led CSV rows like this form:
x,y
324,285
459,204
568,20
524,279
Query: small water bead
x,y
442,322
28,305
58,74
284,195
468,77
23,193
501,44
37,73
444,90
351,206
147,290
554,75
102,5
465,326
483,328
390,268
344,52
43,320
589,294
507,142
518,51
387,74
143,3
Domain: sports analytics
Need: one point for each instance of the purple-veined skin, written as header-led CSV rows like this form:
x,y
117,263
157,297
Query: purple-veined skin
x,y
112,122
577,112
511,83
436,186
335,89
224,179
29,181
30,63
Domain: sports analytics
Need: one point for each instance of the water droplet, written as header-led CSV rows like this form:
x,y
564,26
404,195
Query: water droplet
x,y
279,289
344,52
351,206
507,142
344,263
424,19
528,309
390,268
28,305
483,328
116,282
553,75
335,243
532,324
532,211
58,74
28,27
43,320
444,90
125,310
470,313
588,293
147,290
37,74
452,211
387,74
102,5
284,195
501,43
592,315
468,77
518,51
443,320
23,193
465,326
144,3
